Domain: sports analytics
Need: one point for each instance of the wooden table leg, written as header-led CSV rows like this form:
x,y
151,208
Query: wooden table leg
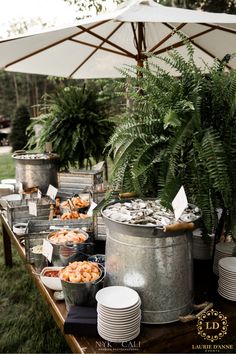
x,y
7,247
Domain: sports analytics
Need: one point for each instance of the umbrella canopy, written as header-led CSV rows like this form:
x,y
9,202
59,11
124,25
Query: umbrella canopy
x,y
96,47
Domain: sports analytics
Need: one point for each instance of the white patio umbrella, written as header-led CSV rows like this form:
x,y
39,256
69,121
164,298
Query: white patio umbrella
x,y
96,47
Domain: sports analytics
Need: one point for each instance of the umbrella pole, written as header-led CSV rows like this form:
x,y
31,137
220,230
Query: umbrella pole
x,y
140,56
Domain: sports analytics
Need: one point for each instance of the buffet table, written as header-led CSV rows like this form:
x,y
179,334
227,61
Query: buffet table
x,y
169,338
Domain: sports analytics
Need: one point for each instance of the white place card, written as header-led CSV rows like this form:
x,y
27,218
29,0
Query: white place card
x,y
39,194
47,250
20,187
52,192
32,208
179,203
90,211
99,166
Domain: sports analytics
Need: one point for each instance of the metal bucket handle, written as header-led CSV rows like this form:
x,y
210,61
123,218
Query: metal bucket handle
x,y
18,152
103,270
79,252
182,227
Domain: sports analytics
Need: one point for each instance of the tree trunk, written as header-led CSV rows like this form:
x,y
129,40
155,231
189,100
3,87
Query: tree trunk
x,y
16,90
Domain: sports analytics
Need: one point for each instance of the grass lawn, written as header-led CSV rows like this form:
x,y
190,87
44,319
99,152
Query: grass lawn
x,y
26,325
7,166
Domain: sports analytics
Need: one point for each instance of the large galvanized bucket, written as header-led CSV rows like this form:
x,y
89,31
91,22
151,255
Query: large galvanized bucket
x,y
63,254
34,171
82,294
157,264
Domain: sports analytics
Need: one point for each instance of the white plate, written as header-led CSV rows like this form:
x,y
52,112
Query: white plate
x,y
119,319
8,181
225,247
228,291
125,334
117,297
228,263
228,297
119,332
228,280
227,271
120,316
119,311
224,285
227,274
119,324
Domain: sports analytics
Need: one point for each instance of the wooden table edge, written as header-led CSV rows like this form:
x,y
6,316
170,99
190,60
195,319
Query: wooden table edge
x,y
57,315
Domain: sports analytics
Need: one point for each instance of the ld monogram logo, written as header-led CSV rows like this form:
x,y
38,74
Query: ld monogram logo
x,y
212,325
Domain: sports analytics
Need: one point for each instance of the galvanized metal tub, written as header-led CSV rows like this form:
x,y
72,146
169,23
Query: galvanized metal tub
x,y
77,294
18,210
38,230
65,253
36,172
156,264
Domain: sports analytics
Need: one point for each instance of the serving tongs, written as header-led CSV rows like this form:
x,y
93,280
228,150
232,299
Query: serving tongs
x,y
71,205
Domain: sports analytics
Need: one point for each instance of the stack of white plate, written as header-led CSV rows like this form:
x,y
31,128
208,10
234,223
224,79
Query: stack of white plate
x,y
202,249
11,181
227,278
223,249
119,313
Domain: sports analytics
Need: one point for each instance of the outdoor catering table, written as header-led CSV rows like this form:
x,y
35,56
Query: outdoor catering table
x,y
168,338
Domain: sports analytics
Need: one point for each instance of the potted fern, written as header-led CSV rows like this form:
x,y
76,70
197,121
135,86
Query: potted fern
x,y
76,124
180,131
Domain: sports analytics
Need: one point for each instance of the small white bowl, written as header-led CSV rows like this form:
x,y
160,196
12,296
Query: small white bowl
x,y
53,283
20,228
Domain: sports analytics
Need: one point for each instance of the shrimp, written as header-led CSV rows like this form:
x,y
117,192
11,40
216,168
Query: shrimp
x,y
64,275
75,278
86,267
95,269
73,265
94,276
86,277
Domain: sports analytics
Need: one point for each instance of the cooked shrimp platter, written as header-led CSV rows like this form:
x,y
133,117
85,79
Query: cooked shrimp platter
x,y
67,236
73,215
75,202
80,272
72,208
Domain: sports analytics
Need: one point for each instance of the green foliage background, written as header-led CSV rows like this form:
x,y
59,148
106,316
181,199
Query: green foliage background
x,y
21,120
76,123
179,131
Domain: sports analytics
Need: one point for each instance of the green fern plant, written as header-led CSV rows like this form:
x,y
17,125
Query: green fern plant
x,y
76,124
179,131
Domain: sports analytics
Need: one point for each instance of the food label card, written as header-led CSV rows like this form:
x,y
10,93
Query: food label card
x,y
20,187
32,208
51,192
90,211
39,194
47,250
179,203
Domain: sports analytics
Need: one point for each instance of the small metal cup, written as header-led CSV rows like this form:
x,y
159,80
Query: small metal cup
x,y
40,261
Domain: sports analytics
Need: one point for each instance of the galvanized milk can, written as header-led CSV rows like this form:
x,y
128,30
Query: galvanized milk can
x,y
157,264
